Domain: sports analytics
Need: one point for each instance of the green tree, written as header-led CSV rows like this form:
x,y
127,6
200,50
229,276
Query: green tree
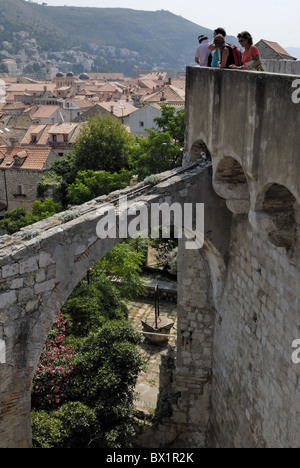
x,y
123,266
91,184
102,145
155,153
105,363
15,219
72,426
105,377
59,175
173,122
44,209
47,430
91,305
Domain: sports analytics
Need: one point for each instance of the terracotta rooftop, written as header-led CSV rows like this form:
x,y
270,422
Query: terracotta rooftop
x,y
45,111
30,87
280,50
41,132
14,106
109,87
168,94
34,158
120,108
63,129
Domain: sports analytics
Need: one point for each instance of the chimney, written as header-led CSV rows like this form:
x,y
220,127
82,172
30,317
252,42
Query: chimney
x,y
169,81
112,109
14,141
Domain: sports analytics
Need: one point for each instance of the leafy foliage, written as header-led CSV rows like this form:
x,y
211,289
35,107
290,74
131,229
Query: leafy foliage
x,y
161,150
154,154
173,122
91,305
15,219
91,184
123,265
110,362
59,175
102,145
47,430
72,425
88,370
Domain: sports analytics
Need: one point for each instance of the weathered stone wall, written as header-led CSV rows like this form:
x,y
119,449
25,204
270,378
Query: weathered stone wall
x,y
28,180
250,126
41,266
256,398
287,67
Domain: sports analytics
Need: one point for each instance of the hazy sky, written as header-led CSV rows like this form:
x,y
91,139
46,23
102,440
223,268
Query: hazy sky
x,y
274,20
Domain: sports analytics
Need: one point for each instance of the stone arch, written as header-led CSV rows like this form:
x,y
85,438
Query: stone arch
x,y
40,267
198,151
277,215
230,182
46,280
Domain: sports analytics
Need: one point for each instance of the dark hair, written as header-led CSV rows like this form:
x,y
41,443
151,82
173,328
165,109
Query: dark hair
x,y
220,31
247,36
202,38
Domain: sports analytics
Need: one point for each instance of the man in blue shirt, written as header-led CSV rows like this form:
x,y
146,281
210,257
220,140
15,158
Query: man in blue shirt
x,y
213,50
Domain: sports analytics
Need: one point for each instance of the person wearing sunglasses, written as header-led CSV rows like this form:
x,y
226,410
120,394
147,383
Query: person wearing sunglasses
x,y
250,57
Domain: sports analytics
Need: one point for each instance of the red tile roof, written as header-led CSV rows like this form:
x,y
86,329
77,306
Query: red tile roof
x,y
45,111
34,158
280,50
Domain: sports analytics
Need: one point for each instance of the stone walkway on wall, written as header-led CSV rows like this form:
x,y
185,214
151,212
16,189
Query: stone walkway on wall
x,y
148,381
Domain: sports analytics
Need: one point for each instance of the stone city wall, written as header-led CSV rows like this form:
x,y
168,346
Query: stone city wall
x,y
250,126
41,265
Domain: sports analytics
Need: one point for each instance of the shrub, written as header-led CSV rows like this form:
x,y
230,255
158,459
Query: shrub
x,y
74,425
53,374
91,305
110,361
79,424
47,431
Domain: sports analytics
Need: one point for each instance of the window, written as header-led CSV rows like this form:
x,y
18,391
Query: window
x,y
66,138
141,124
19,192
54,137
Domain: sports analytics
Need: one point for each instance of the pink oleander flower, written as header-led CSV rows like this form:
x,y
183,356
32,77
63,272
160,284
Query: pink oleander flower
x,y
54,367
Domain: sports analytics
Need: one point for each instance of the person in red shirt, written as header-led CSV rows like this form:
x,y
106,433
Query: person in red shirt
x,y
250,57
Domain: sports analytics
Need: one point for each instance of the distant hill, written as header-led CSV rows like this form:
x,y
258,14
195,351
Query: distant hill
x,y
120,39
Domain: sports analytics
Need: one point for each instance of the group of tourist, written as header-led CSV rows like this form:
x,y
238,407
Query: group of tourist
x,y
217,53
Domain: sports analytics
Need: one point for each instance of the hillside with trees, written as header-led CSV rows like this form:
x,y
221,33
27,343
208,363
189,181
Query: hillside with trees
x,y
118,39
